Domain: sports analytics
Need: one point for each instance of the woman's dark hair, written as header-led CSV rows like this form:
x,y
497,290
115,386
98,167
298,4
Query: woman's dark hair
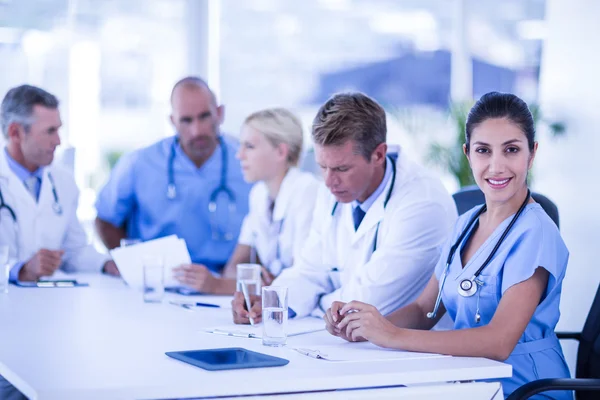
x,y
501,105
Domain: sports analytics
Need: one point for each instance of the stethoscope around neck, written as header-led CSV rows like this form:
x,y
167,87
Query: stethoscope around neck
x,y
56,207
392,157
468,287
212,204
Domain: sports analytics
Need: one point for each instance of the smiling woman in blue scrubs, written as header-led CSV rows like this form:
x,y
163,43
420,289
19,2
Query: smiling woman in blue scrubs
x,y
500,274
190,184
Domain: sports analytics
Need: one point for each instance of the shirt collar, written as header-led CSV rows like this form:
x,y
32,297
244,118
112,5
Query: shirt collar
x,y
208,164
365,205
286,191
20,171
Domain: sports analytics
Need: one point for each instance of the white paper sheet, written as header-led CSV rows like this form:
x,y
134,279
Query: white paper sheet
x,y
358,352
129,259
295,327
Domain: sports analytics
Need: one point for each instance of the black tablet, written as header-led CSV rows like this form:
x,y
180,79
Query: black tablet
x,y
228,358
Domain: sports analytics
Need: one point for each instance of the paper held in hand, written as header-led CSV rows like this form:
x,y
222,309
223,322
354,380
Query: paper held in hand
x,y
173,251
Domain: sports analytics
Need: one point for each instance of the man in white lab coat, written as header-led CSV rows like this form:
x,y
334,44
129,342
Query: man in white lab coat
x,y
38,205
379,221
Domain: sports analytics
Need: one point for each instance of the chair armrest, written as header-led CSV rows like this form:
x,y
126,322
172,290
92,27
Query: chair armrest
x,y
543,385
569,335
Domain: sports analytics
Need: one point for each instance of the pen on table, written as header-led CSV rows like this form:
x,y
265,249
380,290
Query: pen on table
x,y
234,334
198,304
310,353
247,300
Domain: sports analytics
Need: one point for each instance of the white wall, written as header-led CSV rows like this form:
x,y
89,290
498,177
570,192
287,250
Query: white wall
x,y
568,170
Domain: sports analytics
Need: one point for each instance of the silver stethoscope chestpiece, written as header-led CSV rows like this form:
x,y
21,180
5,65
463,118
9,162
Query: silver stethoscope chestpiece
x,y
467,287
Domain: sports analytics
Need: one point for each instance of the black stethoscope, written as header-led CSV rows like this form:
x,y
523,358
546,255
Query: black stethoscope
x,y
13,215
468,287
392,158
212,204
56,206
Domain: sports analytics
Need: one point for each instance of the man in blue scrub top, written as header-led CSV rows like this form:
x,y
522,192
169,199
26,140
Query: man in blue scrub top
x,y
189,184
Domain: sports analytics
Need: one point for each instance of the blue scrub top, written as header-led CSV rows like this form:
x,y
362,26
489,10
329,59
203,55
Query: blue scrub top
x,y
136,194
533,241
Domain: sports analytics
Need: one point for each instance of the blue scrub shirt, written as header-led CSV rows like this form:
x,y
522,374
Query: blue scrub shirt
x,y
534,241
136,195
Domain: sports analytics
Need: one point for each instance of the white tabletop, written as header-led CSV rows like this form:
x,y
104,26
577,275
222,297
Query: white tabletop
x,y
103,342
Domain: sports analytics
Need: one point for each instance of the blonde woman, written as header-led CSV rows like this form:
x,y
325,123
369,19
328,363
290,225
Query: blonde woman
x,y
281,202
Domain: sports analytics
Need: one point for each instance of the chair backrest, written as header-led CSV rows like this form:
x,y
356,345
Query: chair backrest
x,y
588,354
471,196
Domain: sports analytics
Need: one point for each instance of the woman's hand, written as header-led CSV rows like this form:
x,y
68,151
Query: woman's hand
x,y
197,276
267,277
364,322
333,317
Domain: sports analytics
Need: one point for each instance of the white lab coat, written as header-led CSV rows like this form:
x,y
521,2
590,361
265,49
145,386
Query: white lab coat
x,y
413,227
39,226
289,225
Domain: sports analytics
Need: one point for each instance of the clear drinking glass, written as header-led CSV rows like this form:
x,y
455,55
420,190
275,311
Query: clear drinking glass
x,y
4,268
154,279
249,274
274,315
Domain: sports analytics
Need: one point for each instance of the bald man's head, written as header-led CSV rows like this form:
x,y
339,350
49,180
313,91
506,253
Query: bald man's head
x,y
196,117
192,83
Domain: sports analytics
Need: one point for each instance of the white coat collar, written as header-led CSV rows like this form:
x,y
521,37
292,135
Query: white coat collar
x,y
16,187
376,212
286,191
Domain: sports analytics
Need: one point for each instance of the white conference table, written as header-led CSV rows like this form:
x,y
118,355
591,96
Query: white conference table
x,y
104,342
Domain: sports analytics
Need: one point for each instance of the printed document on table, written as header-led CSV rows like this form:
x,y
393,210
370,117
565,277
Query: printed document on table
x,y
295,327
359,352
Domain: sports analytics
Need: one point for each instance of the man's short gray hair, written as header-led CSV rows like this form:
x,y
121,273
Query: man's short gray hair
x,y
17,106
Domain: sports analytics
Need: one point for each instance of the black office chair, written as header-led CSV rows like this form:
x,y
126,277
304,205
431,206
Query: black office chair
x,y
471,196
587,382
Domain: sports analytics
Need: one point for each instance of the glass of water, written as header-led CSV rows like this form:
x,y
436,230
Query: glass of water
x,y
4,268
274,315
154,279
250,275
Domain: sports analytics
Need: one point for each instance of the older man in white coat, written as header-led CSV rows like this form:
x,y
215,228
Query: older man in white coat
x,y
378,225
38,218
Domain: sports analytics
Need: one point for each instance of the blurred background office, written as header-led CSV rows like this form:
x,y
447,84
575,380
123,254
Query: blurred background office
x,y
112,64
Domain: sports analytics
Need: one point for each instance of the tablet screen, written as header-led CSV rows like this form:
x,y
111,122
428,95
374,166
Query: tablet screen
x,y
227,358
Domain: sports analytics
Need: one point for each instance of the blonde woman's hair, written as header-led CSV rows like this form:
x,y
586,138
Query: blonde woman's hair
x,y
279,126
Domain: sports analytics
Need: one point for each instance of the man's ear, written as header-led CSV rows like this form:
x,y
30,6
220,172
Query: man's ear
x,y
378,155
15,131
221,113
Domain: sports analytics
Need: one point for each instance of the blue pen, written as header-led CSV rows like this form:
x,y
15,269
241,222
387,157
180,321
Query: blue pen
x,y
208,305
